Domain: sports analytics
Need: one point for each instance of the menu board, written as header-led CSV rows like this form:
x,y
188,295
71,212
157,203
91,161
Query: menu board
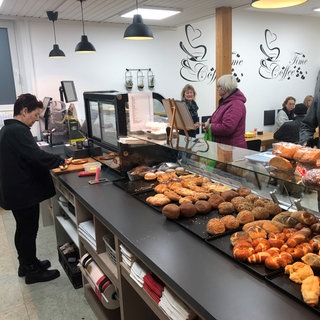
x,y
140,110
182,115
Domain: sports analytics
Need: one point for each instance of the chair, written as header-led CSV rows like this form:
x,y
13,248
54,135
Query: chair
x,y
254,145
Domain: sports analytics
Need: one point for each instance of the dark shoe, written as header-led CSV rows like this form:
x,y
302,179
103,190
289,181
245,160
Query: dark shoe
x,y
43,265
35,274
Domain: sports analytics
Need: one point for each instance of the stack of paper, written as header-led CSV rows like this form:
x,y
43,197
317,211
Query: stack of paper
x,y
86,231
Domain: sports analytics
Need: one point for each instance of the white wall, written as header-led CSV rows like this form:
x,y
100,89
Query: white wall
x,y
105,69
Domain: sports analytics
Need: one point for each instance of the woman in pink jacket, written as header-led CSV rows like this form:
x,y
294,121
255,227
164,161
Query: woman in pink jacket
x,y
228,122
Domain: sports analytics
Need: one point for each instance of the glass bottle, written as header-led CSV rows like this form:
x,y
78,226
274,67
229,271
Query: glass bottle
x,y
140,80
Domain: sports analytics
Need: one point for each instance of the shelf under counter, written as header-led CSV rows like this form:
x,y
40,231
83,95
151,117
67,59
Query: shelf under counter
x,y
69,228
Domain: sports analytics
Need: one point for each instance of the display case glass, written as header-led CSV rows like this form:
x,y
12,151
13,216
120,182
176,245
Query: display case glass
x,y
242,167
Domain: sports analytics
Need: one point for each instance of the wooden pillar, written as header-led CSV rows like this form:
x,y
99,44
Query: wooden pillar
x,y
223,41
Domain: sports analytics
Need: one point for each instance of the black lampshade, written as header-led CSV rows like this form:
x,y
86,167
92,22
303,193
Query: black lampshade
x,y
138,30
84,45
275,4
56,52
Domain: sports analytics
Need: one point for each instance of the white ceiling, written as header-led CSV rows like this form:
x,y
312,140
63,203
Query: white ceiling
x,y
109,11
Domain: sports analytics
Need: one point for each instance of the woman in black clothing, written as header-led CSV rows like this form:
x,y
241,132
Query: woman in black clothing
x,y
188,95
25,181
289,131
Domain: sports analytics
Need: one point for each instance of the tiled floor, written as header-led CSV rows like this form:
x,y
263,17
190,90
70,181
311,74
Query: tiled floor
x,y
53,300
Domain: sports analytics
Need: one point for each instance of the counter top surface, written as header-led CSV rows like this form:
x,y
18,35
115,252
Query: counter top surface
x,y
213,284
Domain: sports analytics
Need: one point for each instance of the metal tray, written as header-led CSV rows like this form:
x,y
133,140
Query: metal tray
x,y
283,283
223,244
137,186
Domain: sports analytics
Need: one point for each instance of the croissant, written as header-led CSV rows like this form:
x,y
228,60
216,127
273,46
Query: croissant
x,y
298,271
258,257
310,290
242,250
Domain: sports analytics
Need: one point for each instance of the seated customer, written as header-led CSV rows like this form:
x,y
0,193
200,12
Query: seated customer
x,y
286,113
308,100
289,131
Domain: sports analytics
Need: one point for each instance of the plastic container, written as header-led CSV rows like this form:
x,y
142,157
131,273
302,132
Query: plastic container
x,y
91,166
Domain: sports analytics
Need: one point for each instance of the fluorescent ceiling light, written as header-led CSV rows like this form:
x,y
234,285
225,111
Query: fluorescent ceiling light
x,y
1,2
316,9
152,14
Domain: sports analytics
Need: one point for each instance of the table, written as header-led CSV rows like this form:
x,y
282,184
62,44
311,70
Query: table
x,y
266,140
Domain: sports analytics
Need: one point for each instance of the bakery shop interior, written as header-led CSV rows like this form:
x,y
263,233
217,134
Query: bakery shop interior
x,y
177,201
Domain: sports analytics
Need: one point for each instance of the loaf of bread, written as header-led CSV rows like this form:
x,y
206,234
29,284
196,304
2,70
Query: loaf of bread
x,y
310,156
285,149
281,163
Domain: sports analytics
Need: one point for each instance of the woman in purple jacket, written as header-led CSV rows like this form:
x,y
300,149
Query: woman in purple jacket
x,y
228,122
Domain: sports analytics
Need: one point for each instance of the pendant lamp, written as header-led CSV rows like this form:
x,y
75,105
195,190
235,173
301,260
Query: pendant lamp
x,y
56,52
138,30
275,4
84,46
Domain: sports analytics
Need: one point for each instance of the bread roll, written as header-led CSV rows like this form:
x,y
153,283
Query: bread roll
x,y
280,163
203,207
215,226
171,211
230,222
188,210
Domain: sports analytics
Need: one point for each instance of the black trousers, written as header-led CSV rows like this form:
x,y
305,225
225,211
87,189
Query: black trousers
x,y
27,226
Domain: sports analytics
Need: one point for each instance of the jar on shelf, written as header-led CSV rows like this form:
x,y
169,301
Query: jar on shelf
x,y
150,79
128,80
140,80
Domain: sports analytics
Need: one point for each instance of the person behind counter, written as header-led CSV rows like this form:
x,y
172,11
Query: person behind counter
x,y
289,131
310,123
228,121
25,181
286,113
188,95
308,100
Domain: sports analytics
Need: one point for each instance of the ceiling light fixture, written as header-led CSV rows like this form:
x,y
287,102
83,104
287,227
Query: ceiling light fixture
x,y
56,52
275,4
152,14
84,46
138,30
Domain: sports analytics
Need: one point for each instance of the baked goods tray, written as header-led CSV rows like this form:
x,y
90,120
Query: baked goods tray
x,y
137,186
281,281
196,225
223,244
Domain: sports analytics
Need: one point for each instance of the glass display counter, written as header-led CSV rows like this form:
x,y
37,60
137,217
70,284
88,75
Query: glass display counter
x,y
236,166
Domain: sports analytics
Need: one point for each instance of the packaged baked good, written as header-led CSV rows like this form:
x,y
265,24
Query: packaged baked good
x,y
285,149
312,178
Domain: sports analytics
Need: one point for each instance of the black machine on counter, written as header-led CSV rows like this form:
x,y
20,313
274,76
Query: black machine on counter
x,y
108,126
